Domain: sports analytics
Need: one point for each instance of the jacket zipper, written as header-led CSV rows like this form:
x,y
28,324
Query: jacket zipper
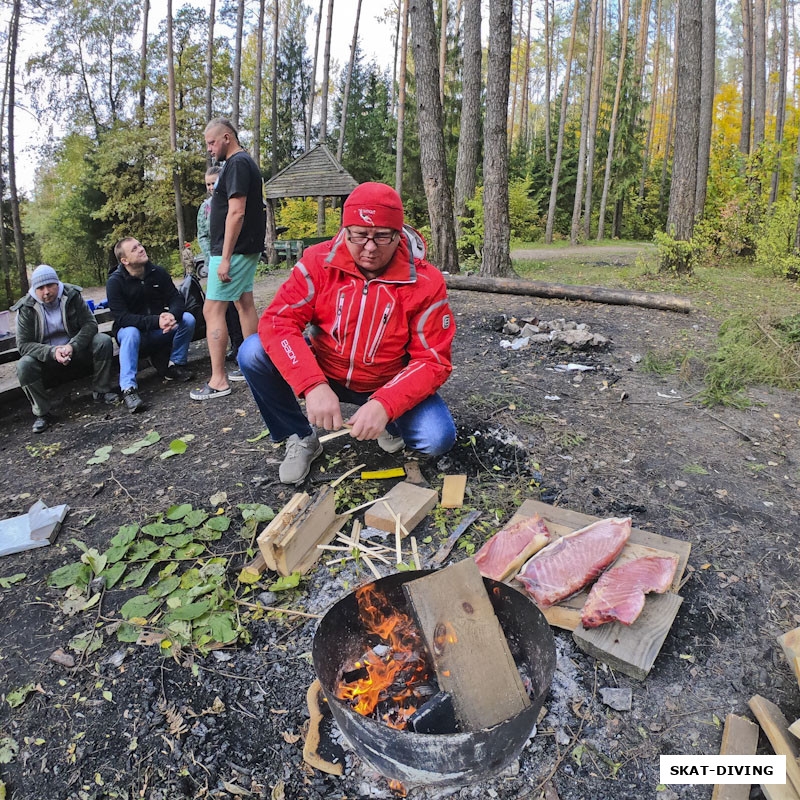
x,y
337,324
355,335
379,335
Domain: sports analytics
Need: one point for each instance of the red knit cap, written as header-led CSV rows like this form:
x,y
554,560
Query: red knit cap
x,y
374,204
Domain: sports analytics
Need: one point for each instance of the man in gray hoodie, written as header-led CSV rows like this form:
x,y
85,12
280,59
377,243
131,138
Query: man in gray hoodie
x,y
58,339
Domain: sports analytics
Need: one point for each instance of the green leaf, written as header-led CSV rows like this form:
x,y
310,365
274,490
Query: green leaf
x,y
101,454
257,511
96,561
168,570
113,573
176,448
179,512
195,518
221,523
188,612
577,754
205,534
127,633
133,580
84,548
180,540
177,527
222,627
162,554
76,574
181,629
116,553
214,568
157,529
86,642
143,549
150,439
192,550
127,533
191,578
289,582
262,435
140,606
164,586
18,696
12,579
8,750
108,696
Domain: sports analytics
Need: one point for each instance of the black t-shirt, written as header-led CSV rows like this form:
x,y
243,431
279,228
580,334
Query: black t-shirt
x,y
240,176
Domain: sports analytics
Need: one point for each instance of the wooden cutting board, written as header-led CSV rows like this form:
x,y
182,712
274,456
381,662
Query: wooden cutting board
x,y
631,649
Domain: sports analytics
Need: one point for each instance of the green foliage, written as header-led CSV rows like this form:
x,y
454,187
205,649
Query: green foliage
x,y
299,215
150,439
774,241
675,256
8,749
288,582
10,580
17,697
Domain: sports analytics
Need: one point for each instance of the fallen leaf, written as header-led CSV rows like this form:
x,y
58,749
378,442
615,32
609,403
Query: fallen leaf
x,y
279,791
148,638
218,498
290,738
234,788
279,711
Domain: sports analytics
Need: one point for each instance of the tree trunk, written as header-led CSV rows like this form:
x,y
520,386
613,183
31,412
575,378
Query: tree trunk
x,y
759,72
323,123
523,116
5,264
671,122
601,222
548,35
173,130
312,91
594,107
681,216
469,140
270,233
237,63
19,245
346,97
780,116
275,36
587,99
431,139
747,75
497,227
510,125
401,104
551,211
210,60
707,76
393,101
143,63
653,103
258,85
442,52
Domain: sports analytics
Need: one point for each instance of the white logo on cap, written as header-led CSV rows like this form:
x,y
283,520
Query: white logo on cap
x,y
366,215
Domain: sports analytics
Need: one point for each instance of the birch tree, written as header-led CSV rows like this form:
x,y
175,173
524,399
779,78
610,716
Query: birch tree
x,y
210,60
323,122
780,115
401,104
348,79
257,91
312,90
707,80
173,130
237,63
19,245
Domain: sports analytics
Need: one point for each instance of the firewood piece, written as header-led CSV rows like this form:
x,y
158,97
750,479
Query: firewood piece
x,y
411,503
560,291
453,491
467,645
739,738
776,728
449,544
335,435
316,700
779,791
794,728
276,527
347,474
790,642
255,568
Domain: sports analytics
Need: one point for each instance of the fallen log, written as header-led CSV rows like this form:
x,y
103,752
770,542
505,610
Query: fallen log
x,y
561,291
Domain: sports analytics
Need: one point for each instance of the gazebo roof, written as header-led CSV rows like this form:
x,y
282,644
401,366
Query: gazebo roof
x,y
316,173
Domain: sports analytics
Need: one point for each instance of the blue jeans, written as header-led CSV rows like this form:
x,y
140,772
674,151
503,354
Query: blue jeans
x,y
132,342
428,427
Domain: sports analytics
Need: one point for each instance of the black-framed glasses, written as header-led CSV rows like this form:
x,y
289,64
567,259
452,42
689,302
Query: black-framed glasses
x,y
380,239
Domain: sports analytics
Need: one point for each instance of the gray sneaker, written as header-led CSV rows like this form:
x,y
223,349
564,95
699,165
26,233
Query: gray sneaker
x,y
389,443
299,455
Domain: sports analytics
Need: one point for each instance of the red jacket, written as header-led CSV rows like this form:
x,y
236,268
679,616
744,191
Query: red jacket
x,y
390,336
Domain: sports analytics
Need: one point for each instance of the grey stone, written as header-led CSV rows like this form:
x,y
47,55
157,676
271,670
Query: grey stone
x,y
618,699
511,329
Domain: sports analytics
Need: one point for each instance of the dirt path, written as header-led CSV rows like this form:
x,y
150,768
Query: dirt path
x,y
593,254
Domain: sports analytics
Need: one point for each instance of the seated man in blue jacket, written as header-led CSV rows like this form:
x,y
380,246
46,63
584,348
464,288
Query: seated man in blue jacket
x,y
149,317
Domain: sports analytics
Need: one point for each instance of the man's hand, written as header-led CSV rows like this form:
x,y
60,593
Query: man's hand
x,y
369,421
323,409
224,270
166,322
63,354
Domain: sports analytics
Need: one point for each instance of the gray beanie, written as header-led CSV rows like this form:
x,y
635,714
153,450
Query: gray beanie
x,y
42,275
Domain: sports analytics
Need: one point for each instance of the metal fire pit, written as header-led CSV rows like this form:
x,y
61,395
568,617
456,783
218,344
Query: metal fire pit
x,y
436,759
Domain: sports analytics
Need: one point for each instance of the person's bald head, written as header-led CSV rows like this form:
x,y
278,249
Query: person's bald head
x,y
221,137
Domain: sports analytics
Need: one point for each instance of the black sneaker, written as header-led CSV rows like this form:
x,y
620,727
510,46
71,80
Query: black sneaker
x,y
41,424
132,400
109,398
178,372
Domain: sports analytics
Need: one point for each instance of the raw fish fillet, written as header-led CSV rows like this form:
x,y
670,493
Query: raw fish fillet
x,y
568,564
619,593
510,547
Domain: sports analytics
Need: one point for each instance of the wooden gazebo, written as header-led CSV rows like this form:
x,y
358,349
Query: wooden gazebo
x,y
316,173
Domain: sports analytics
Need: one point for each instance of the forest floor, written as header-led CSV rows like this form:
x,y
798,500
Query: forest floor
x,y
132,720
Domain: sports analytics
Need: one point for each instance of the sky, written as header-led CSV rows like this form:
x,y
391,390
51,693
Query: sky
x,y
375,41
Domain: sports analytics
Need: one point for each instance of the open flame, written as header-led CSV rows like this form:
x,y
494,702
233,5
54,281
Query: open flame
x,y
394,673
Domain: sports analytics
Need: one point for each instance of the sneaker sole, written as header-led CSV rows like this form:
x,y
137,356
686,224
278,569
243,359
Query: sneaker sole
x,y
236,378
210,395
316,455
393,448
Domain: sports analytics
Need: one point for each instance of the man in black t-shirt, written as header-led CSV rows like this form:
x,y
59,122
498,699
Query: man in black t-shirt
x,y
237,223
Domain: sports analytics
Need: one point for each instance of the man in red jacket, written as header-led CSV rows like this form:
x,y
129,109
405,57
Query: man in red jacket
x,y
380,338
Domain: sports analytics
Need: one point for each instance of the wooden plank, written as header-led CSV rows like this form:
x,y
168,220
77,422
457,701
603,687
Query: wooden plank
x,y
790,642
453,491
411,503
739,738
779,791
468,647
632,649
775,726
794,728
277,526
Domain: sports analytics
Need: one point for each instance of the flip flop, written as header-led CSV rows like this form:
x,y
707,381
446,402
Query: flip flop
x,y
208,393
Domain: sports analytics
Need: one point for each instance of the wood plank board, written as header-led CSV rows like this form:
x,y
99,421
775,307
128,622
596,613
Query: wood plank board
x,y
739,738
277,526
457,621
779,791
453,491
411,503
776,728
794,728
560,521
632,649
790,642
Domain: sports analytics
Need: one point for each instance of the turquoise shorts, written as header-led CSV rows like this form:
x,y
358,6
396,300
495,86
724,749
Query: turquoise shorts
x,y
243,271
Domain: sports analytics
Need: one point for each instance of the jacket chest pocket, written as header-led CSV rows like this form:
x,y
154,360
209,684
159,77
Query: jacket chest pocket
x,y
341,315
379,321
